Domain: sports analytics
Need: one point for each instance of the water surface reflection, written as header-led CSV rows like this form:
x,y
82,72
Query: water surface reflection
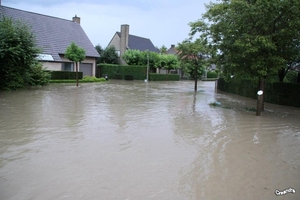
x,y
136,140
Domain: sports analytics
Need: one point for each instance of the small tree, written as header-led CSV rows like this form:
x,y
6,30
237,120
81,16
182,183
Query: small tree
x,y
169,62
132,57
75,54
107,55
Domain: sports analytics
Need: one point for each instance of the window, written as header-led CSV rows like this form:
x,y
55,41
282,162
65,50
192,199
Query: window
x,y
67,66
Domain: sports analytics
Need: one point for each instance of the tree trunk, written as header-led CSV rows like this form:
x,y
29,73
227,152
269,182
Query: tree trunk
x,y
196,78
298,78
281,74
76,63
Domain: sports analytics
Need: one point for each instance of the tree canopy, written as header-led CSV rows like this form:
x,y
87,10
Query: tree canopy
x,y
193,56
137,57
255,37
163,49
75,53
18,52
107,55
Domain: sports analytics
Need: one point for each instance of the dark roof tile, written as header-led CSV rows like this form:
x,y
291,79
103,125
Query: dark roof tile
x,y
53,34
140,43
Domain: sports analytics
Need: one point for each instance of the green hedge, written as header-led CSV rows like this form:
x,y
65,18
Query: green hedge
x,y
107,69
80,81
212,74
119,71
137,72
119,76
163,77
128,77
278,93
59,75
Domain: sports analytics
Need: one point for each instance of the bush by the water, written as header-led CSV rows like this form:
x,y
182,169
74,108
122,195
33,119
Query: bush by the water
x,y
18,51
86,79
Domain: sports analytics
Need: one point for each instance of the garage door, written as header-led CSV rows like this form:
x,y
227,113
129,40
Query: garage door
x,y
86,69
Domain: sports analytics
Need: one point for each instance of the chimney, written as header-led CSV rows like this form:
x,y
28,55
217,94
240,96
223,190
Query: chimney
x,y
124,40
74,19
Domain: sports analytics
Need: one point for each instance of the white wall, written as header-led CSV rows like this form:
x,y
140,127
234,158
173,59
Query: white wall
x,y
53,66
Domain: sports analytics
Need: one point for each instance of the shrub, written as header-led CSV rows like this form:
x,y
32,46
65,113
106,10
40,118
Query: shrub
x,y
18,53
212,74
87,80
38,75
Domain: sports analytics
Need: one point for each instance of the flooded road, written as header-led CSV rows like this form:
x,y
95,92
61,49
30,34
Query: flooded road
x,y
136,140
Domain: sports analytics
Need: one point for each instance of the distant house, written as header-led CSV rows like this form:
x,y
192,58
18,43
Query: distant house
x,y
53,35
123,41
172,50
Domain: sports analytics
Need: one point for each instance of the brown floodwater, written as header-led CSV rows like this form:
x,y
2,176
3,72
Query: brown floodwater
x,y
134,140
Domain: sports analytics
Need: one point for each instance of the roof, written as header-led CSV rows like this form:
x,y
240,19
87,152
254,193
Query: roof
x,y
172,50
140,43
53,34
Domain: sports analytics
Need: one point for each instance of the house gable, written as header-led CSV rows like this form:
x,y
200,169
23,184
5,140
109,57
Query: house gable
x,y
115,41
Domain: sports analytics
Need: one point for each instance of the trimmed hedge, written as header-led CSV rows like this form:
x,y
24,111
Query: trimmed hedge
x,y
119,71
128,77
132,72
163,77
212,74
80,81
119,76
59,75
107,69
278,93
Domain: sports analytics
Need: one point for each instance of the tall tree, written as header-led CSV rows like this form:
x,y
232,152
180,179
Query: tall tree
x,y
100,50
18,52
107,55
254,37
75,54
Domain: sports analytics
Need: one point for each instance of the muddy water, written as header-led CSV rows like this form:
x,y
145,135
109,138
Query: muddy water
x,y
136,140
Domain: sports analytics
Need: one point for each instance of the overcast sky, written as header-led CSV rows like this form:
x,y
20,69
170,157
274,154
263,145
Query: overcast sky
x,y
164,22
